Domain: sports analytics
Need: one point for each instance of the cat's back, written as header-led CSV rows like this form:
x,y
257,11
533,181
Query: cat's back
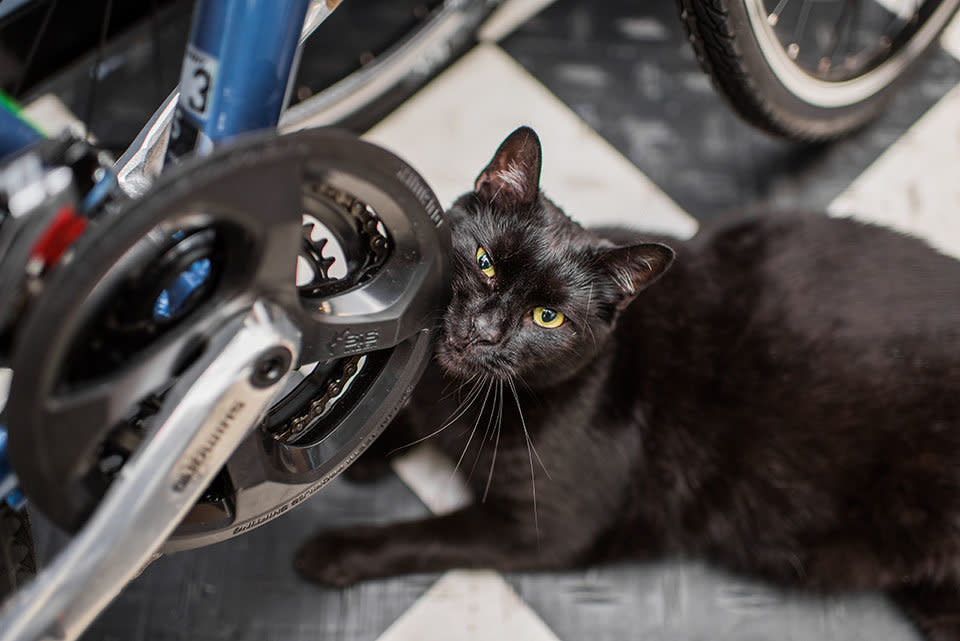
x,y
825,316
834,280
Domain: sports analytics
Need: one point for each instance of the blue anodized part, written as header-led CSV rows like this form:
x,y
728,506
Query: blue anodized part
x,y
15,133
237,65
173,298
9,484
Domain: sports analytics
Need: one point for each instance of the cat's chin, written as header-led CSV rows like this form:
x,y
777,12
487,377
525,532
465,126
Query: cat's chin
x,y
459,366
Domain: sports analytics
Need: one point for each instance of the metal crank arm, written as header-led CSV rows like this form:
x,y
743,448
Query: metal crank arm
x,y
213,406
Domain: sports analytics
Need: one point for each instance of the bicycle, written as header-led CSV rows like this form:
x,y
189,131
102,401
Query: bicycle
x,y
203,401
177,381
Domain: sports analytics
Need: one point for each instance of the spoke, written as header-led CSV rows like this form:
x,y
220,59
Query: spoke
x,y
155,51
851,30
774,17
801,25
34,47
95,76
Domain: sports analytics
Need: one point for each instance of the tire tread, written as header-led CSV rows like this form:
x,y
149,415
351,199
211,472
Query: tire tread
x,y
718,52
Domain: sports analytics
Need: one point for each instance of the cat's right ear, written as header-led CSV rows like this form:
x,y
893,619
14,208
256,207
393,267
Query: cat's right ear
x,y
513,176
634,268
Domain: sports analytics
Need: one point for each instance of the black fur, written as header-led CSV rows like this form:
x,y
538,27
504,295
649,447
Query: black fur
x,y
785,402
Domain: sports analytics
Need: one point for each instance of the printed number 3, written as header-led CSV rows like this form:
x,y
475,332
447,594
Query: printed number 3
x,y
198,101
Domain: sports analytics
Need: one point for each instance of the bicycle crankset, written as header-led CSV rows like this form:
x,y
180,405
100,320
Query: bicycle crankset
x,y
146,290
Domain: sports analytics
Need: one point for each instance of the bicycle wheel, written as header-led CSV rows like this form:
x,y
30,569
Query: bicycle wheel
x,y
807,70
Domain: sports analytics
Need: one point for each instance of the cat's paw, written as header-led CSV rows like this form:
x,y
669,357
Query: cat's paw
x,y
336,559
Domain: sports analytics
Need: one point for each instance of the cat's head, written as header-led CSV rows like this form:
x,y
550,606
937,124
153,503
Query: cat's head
x,y
535,295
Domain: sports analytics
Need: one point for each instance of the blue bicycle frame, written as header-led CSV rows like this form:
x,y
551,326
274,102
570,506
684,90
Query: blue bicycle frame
x,y
235,71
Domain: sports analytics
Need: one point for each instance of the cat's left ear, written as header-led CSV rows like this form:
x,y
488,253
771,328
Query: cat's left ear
x,y
635,267
513,176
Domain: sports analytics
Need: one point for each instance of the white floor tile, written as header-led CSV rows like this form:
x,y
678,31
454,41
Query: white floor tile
x,y
913,186
450,130
508,16
469,606
951,37
432,477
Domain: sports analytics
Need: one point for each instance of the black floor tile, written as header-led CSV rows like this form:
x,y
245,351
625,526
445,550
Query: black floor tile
x,y
626,68
246,589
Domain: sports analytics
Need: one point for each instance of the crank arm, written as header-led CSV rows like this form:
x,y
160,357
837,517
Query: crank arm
x,y
213,406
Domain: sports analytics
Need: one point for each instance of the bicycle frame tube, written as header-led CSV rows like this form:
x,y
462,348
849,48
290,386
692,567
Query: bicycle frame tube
x,y
235,70
15,133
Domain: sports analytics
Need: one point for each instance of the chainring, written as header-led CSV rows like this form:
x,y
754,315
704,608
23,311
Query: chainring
x,y
92,366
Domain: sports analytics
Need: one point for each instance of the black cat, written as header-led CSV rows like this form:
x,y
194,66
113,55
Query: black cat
x,y
784,401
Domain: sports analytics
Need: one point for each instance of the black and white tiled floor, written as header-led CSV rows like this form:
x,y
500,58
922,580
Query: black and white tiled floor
x,y
632,134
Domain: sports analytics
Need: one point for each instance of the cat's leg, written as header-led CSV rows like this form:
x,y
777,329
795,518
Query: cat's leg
x,y
472,537
374,463
934,609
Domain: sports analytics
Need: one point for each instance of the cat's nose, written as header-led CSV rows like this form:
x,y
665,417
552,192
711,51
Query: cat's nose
x,y
486,330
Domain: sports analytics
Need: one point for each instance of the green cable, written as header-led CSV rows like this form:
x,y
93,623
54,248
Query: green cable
x,y
9,103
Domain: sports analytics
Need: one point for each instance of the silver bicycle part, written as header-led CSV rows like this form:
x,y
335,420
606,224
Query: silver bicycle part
x,y
143,159
417,56
317,12
216,403
822,93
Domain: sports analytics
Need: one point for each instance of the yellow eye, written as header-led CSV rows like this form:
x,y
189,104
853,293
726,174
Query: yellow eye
x,y
546,317
486,265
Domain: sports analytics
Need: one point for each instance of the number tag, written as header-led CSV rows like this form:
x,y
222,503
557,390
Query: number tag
x,y
197,81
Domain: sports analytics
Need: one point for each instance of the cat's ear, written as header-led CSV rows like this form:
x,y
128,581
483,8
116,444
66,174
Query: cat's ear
x,y
634,268
513,176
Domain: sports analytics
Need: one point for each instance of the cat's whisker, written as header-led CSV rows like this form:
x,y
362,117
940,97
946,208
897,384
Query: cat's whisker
x,y
496,443
586,317
500,411
458,389
461,386
533,475
486,432
527,387
523,423
472,396
473,431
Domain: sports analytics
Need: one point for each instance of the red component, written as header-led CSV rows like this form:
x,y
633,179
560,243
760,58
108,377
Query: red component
x,y
65,228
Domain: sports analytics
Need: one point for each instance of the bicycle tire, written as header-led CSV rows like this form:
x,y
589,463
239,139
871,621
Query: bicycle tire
x,y
744,69
18,560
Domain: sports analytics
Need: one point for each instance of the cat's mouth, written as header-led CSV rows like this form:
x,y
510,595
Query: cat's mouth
x,y
467,361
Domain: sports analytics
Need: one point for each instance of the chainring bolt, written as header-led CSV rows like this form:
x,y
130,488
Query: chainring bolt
x,y
272,365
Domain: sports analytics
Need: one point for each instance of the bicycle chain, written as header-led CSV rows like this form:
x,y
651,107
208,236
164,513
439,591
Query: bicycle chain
x,y
377,243
297,425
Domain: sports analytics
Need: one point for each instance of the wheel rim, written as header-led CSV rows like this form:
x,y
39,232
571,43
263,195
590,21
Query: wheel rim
x,y
844,66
